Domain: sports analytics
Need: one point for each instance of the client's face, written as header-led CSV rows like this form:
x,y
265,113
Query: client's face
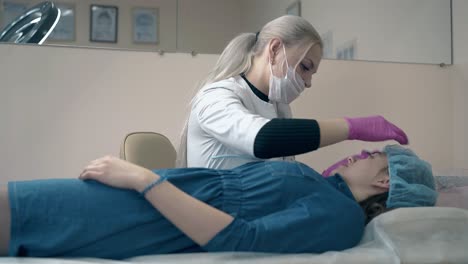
x,y
366,174
344,162
366,171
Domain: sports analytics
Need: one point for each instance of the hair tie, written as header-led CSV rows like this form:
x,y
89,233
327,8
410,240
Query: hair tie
x,y
256,36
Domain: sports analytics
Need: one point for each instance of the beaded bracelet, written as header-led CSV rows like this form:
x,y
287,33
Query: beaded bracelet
x,y
154,183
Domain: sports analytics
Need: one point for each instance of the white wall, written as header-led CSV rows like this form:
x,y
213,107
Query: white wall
x,y
397,30
256,13
61,107
459,83
66,106
207,26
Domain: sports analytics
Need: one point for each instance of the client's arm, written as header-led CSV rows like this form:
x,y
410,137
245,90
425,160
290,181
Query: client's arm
x,y
200,221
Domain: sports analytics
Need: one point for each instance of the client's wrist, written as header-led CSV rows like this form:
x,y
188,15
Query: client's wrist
x,y
145,179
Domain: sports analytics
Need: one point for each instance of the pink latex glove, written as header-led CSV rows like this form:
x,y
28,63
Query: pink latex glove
x,y
375,128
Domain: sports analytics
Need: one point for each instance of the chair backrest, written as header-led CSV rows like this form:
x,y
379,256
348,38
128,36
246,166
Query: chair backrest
x,y
149,150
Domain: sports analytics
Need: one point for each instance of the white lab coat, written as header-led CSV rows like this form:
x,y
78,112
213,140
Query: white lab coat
x,y
224,121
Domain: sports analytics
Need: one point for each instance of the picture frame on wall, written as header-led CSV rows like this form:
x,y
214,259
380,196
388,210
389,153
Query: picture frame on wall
x,y
104,23
65,28
294,8
145,25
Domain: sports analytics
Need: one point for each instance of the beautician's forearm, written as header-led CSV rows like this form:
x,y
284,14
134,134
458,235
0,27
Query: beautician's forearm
x,y
198,220
289,137
282,137
333,131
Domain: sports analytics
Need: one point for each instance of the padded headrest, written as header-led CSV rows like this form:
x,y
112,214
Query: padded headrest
x,y
148,149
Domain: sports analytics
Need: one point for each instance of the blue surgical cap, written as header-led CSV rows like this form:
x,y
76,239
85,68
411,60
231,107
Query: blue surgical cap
x,y
411,180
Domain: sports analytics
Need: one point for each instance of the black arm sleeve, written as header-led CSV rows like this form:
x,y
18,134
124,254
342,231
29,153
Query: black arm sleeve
x,y
286,137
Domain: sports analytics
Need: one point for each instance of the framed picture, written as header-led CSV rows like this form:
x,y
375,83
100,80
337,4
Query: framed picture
x,y
104,23
145,25
11,10
294,9
65,28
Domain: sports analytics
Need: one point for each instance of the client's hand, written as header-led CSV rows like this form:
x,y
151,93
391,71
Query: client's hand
x,y
115,172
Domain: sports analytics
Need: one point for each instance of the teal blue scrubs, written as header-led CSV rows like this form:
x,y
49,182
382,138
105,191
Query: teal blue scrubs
x,y
278,207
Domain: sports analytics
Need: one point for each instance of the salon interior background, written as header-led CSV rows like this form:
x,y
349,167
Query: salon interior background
x,y
62,106
417,31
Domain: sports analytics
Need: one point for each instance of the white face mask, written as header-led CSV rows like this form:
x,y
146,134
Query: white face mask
x,y
287,89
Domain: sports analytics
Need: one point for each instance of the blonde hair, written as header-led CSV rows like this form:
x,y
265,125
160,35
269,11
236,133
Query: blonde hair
x,y
238,55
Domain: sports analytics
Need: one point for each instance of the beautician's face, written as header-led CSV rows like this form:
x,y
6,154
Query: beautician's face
x,y
305,66
364,171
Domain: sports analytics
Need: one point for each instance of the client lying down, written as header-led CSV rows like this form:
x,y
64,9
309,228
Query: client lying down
x,y
119,210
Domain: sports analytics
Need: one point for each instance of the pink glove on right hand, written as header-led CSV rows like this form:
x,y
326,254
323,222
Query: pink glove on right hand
x,y
374,128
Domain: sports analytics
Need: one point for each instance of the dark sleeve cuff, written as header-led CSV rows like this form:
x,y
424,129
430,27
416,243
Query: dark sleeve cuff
x,y
287,137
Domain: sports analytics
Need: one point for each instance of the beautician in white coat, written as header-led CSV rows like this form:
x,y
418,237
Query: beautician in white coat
x,y
241,113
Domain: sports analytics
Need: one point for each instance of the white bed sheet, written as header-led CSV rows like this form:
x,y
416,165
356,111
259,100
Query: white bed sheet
x,y
405,235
